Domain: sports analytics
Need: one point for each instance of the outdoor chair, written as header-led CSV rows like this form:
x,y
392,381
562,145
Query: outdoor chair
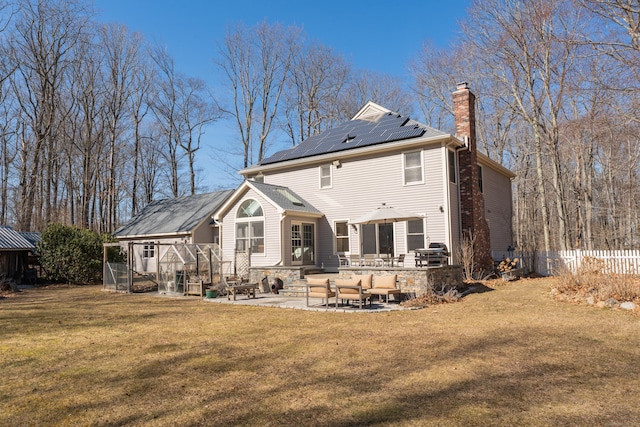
x,y
398,260
351,290
370,260
319,288
194,286
344,261
385,285
366,280
355,259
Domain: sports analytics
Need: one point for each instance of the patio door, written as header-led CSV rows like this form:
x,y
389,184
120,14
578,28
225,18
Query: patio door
x,y
302,243
377,239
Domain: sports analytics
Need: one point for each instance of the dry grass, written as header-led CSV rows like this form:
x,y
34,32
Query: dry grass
x,y
511,356
592,280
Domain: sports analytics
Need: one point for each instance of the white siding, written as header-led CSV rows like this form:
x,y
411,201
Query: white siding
x,y
361,185
497,205
273,248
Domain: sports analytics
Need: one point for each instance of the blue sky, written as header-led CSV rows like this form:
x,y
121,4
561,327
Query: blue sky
x,y
376,35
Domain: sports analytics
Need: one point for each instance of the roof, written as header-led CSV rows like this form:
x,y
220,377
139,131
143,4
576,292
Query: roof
x,y
371,126
11,240
284,198
32,237
173,216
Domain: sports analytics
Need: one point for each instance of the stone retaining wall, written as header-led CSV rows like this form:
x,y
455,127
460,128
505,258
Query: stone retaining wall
x,y
288,275
411,280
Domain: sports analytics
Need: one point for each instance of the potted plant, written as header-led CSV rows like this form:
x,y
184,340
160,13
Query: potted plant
x,y
211,292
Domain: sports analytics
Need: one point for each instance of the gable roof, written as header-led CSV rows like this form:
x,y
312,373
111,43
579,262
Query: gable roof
x,y
173,216
372,125
11,240
283,198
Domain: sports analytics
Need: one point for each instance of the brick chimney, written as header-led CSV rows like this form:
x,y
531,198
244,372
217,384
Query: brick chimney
x,y
471,199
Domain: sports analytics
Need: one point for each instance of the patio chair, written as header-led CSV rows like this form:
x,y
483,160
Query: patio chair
x,y
344,261
365,280
355,259
351,290
319,288
370,260
398,260
385,285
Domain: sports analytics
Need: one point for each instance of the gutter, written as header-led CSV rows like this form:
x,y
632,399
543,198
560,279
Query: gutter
x,y
345,154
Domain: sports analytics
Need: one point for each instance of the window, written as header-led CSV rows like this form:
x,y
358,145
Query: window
x,y
148,250
413,167
480,183
325,176
415,234
452,166
250,227
342,237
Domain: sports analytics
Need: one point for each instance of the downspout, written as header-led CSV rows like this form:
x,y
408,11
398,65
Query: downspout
x,y
282,218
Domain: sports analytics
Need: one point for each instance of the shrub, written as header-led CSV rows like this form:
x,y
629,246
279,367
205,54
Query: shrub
x,y
434,294
71,254
591,279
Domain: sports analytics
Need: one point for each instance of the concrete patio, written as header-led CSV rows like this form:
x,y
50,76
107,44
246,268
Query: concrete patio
x,y
300,303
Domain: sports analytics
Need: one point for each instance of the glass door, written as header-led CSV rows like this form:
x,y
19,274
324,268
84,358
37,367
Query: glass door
x,y
302,244
308,244
377,239
296,244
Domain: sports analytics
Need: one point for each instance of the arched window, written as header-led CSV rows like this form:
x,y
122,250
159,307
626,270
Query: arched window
x,y
250,227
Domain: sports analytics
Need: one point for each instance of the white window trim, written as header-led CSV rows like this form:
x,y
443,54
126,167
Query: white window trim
x,y
449,167
347,237
424,235
321,176
249,220
148,247
404,168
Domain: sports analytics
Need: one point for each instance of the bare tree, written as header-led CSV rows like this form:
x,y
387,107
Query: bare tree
x,y
383,89
197,110
256,62
121,52
41,49
142,80
318,77
530,46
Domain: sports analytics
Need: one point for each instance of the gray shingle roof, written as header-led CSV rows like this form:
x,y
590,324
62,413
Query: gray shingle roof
x,y
179,215
11,240
285,198
357,133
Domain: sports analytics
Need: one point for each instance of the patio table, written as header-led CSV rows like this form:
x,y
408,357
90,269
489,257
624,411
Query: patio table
x,y
233,287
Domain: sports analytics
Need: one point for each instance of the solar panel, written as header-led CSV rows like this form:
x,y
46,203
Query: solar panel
x,y
354,134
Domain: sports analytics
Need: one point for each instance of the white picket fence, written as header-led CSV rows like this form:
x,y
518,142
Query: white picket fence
x,y
553,262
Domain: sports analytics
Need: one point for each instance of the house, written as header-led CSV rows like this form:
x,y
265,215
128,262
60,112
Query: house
x,y
16,248
184,219
297,207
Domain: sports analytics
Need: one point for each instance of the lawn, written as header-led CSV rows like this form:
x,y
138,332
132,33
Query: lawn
x,y
511,356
